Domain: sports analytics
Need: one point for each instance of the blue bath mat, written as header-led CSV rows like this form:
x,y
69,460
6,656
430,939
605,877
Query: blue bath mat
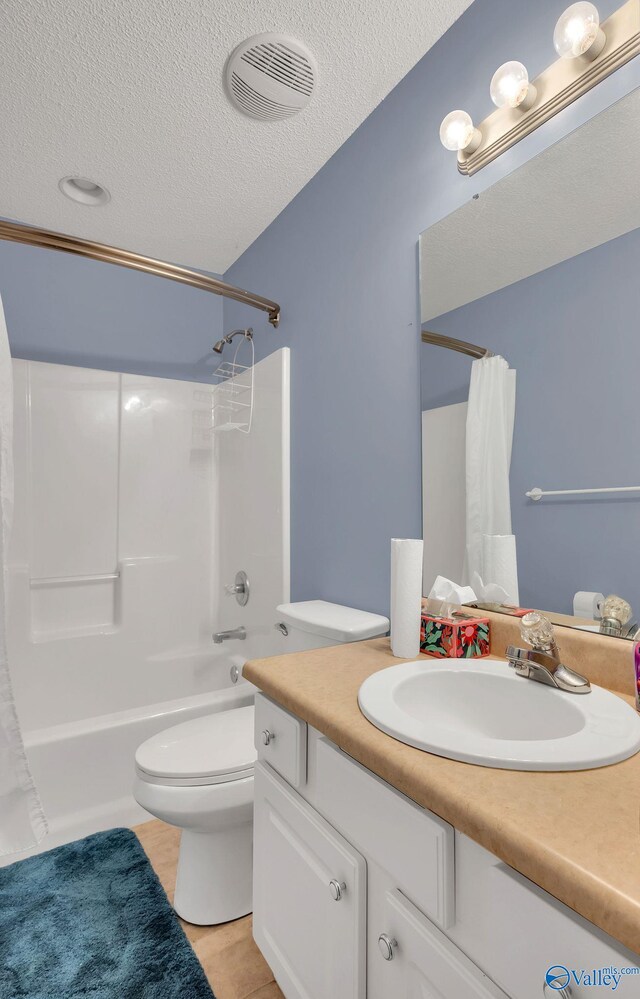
x,y
90,919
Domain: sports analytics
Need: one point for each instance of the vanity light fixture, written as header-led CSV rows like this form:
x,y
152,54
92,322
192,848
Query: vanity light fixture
x,y
588,53
578,32
510,87
457,132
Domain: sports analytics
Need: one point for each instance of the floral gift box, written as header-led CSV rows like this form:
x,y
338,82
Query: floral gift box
x,y
454,637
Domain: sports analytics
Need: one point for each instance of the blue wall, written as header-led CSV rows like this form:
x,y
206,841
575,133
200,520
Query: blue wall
x,y
342,260
571,332
68,310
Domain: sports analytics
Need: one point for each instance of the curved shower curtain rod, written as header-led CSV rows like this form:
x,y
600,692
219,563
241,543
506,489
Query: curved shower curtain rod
x,y
461,346
30,235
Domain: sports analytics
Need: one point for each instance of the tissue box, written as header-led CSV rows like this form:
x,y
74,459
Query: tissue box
x,y
454,637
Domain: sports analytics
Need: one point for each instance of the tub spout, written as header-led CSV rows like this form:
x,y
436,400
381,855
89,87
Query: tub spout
x,y
225,636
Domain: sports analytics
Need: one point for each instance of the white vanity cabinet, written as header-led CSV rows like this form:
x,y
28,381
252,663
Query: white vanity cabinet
x,y
360,893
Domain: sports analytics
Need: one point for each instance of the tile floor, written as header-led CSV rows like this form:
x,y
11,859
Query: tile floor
x,y
233,964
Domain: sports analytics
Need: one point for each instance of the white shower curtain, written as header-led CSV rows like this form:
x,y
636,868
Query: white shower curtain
x,y
22,821
490,545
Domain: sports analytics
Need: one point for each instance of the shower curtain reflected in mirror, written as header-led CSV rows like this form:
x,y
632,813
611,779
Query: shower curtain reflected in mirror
x,y
491,550
22,821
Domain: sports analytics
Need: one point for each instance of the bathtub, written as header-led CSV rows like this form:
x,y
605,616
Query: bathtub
x,y
84,769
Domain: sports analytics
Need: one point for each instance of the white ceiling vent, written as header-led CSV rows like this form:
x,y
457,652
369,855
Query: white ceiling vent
x,y
271,76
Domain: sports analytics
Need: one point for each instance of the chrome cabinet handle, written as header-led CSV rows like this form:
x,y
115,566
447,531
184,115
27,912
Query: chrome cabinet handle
x,y
267,737
337,889
386,945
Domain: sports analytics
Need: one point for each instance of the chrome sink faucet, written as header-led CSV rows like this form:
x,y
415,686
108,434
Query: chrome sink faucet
x,y
225,636
542,662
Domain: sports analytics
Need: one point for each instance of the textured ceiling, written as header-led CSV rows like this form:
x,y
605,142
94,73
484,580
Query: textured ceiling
x,y
579,193
130,94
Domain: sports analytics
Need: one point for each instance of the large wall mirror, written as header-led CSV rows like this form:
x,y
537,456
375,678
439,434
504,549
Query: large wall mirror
x,y
543,270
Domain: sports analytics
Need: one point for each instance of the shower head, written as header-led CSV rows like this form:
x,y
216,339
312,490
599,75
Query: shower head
x,y
221,344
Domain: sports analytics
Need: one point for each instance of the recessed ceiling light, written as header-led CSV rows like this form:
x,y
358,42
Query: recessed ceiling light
x,y
84,191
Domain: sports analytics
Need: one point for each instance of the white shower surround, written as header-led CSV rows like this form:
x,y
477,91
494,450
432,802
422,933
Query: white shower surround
x,y
130,518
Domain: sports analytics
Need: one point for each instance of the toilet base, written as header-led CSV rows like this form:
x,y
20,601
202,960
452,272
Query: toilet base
x,y
215,872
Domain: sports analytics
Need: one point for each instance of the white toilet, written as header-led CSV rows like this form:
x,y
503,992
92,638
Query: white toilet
x,y
199,776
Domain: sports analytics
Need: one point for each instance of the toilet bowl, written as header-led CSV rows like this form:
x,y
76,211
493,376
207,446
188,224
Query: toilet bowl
x,y
198,776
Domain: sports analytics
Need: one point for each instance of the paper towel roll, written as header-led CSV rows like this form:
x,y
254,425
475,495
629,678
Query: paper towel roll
x,y
587,604
500,564
406,596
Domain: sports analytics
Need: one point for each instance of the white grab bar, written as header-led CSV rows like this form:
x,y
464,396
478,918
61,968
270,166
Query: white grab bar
x,y
536,493
46,583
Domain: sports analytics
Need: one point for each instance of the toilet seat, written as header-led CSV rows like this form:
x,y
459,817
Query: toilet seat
x,y
213,749
208,781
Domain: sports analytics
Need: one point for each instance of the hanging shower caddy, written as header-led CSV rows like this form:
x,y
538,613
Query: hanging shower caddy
x,y
232,407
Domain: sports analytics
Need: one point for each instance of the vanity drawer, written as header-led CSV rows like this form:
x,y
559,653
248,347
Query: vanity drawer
x,y
412,844
281,740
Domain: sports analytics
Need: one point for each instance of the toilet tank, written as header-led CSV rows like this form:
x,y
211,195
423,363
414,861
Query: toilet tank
x,y
314,624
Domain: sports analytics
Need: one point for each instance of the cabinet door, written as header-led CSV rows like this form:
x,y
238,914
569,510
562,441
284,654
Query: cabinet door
x,y
309,897
414,960
518,932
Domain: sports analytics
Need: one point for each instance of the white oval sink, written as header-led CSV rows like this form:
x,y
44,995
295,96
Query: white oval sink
x,y
481,712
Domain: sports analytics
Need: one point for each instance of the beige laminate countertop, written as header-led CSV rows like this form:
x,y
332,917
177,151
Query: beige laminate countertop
x,y
575,834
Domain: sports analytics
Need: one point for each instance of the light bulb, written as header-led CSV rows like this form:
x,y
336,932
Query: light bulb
x,y
457,132
578,32
510,87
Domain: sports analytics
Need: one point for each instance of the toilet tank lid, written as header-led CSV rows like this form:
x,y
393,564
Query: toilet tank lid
x,y
342,624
